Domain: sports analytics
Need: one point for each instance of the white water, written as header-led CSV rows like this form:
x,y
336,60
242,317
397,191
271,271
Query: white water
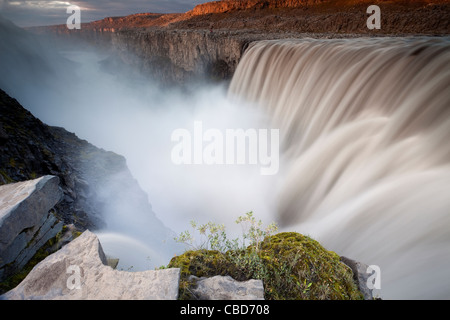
x,y
366,152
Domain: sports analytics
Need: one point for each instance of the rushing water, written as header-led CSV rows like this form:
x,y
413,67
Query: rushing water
x,y
365,126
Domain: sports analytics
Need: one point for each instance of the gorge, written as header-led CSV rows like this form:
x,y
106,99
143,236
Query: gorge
x,y
363,121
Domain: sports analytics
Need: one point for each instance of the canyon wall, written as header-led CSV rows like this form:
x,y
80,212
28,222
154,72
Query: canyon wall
x,y
208,41
179,55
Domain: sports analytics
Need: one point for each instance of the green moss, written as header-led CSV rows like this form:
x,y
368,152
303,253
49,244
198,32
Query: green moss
x,y
76,234
292,266
199,263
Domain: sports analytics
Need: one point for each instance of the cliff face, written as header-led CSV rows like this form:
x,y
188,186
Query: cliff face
x,y
180,55
93,181
30,149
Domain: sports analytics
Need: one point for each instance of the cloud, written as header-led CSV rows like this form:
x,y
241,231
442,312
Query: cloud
x,y
36,13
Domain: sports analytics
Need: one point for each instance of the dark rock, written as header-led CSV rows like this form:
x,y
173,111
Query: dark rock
x,y
97,185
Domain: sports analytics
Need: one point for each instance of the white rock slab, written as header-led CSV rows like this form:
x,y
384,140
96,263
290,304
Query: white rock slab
x,y
79,271
226,288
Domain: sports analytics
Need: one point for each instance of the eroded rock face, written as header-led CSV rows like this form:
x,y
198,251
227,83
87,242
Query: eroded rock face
x,y
179,56
26,222
80,271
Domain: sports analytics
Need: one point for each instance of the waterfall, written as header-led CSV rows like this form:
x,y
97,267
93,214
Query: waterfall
x,y
365,146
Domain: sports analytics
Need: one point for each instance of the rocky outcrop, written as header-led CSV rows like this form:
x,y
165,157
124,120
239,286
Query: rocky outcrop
x,y
226,288
26,221
31,149
98,189
80,271
92,180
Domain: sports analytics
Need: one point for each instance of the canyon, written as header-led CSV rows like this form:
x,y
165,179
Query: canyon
x,y
333,85
208,41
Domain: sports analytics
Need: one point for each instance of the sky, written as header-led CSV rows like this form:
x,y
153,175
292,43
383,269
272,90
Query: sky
x,y
38,13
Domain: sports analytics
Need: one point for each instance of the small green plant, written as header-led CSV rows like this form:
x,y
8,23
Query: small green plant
x,y
307,287
213,236
252,230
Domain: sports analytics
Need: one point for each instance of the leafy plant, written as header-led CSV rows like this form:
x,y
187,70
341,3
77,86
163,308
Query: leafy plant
x,y
212,236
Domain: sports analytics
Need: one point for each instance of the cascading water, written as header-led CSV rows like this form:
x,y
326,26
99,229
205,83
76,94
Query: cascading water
x,y
365,127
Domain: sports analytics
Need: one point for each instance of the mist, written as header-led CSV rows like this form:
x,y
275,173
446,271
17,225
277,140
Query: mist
x,y
135,119
131,115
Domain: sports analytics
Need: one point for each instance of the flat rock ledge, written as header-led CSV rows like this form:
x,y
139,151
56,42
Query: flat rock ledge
x,y
79,271
226,288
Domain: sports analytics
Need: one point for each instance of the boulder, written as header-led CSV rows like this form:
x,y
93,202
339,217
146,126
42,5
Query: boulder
x,y
360,276
226,288
79,271
26,220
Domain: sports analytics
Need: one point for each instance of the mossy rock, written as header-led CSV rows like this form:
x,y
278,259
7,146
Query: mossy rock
x,y
291,265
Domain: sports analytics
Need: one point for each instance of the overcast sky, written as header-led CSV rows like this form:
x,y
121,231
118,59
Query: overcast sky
x,y
36,13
